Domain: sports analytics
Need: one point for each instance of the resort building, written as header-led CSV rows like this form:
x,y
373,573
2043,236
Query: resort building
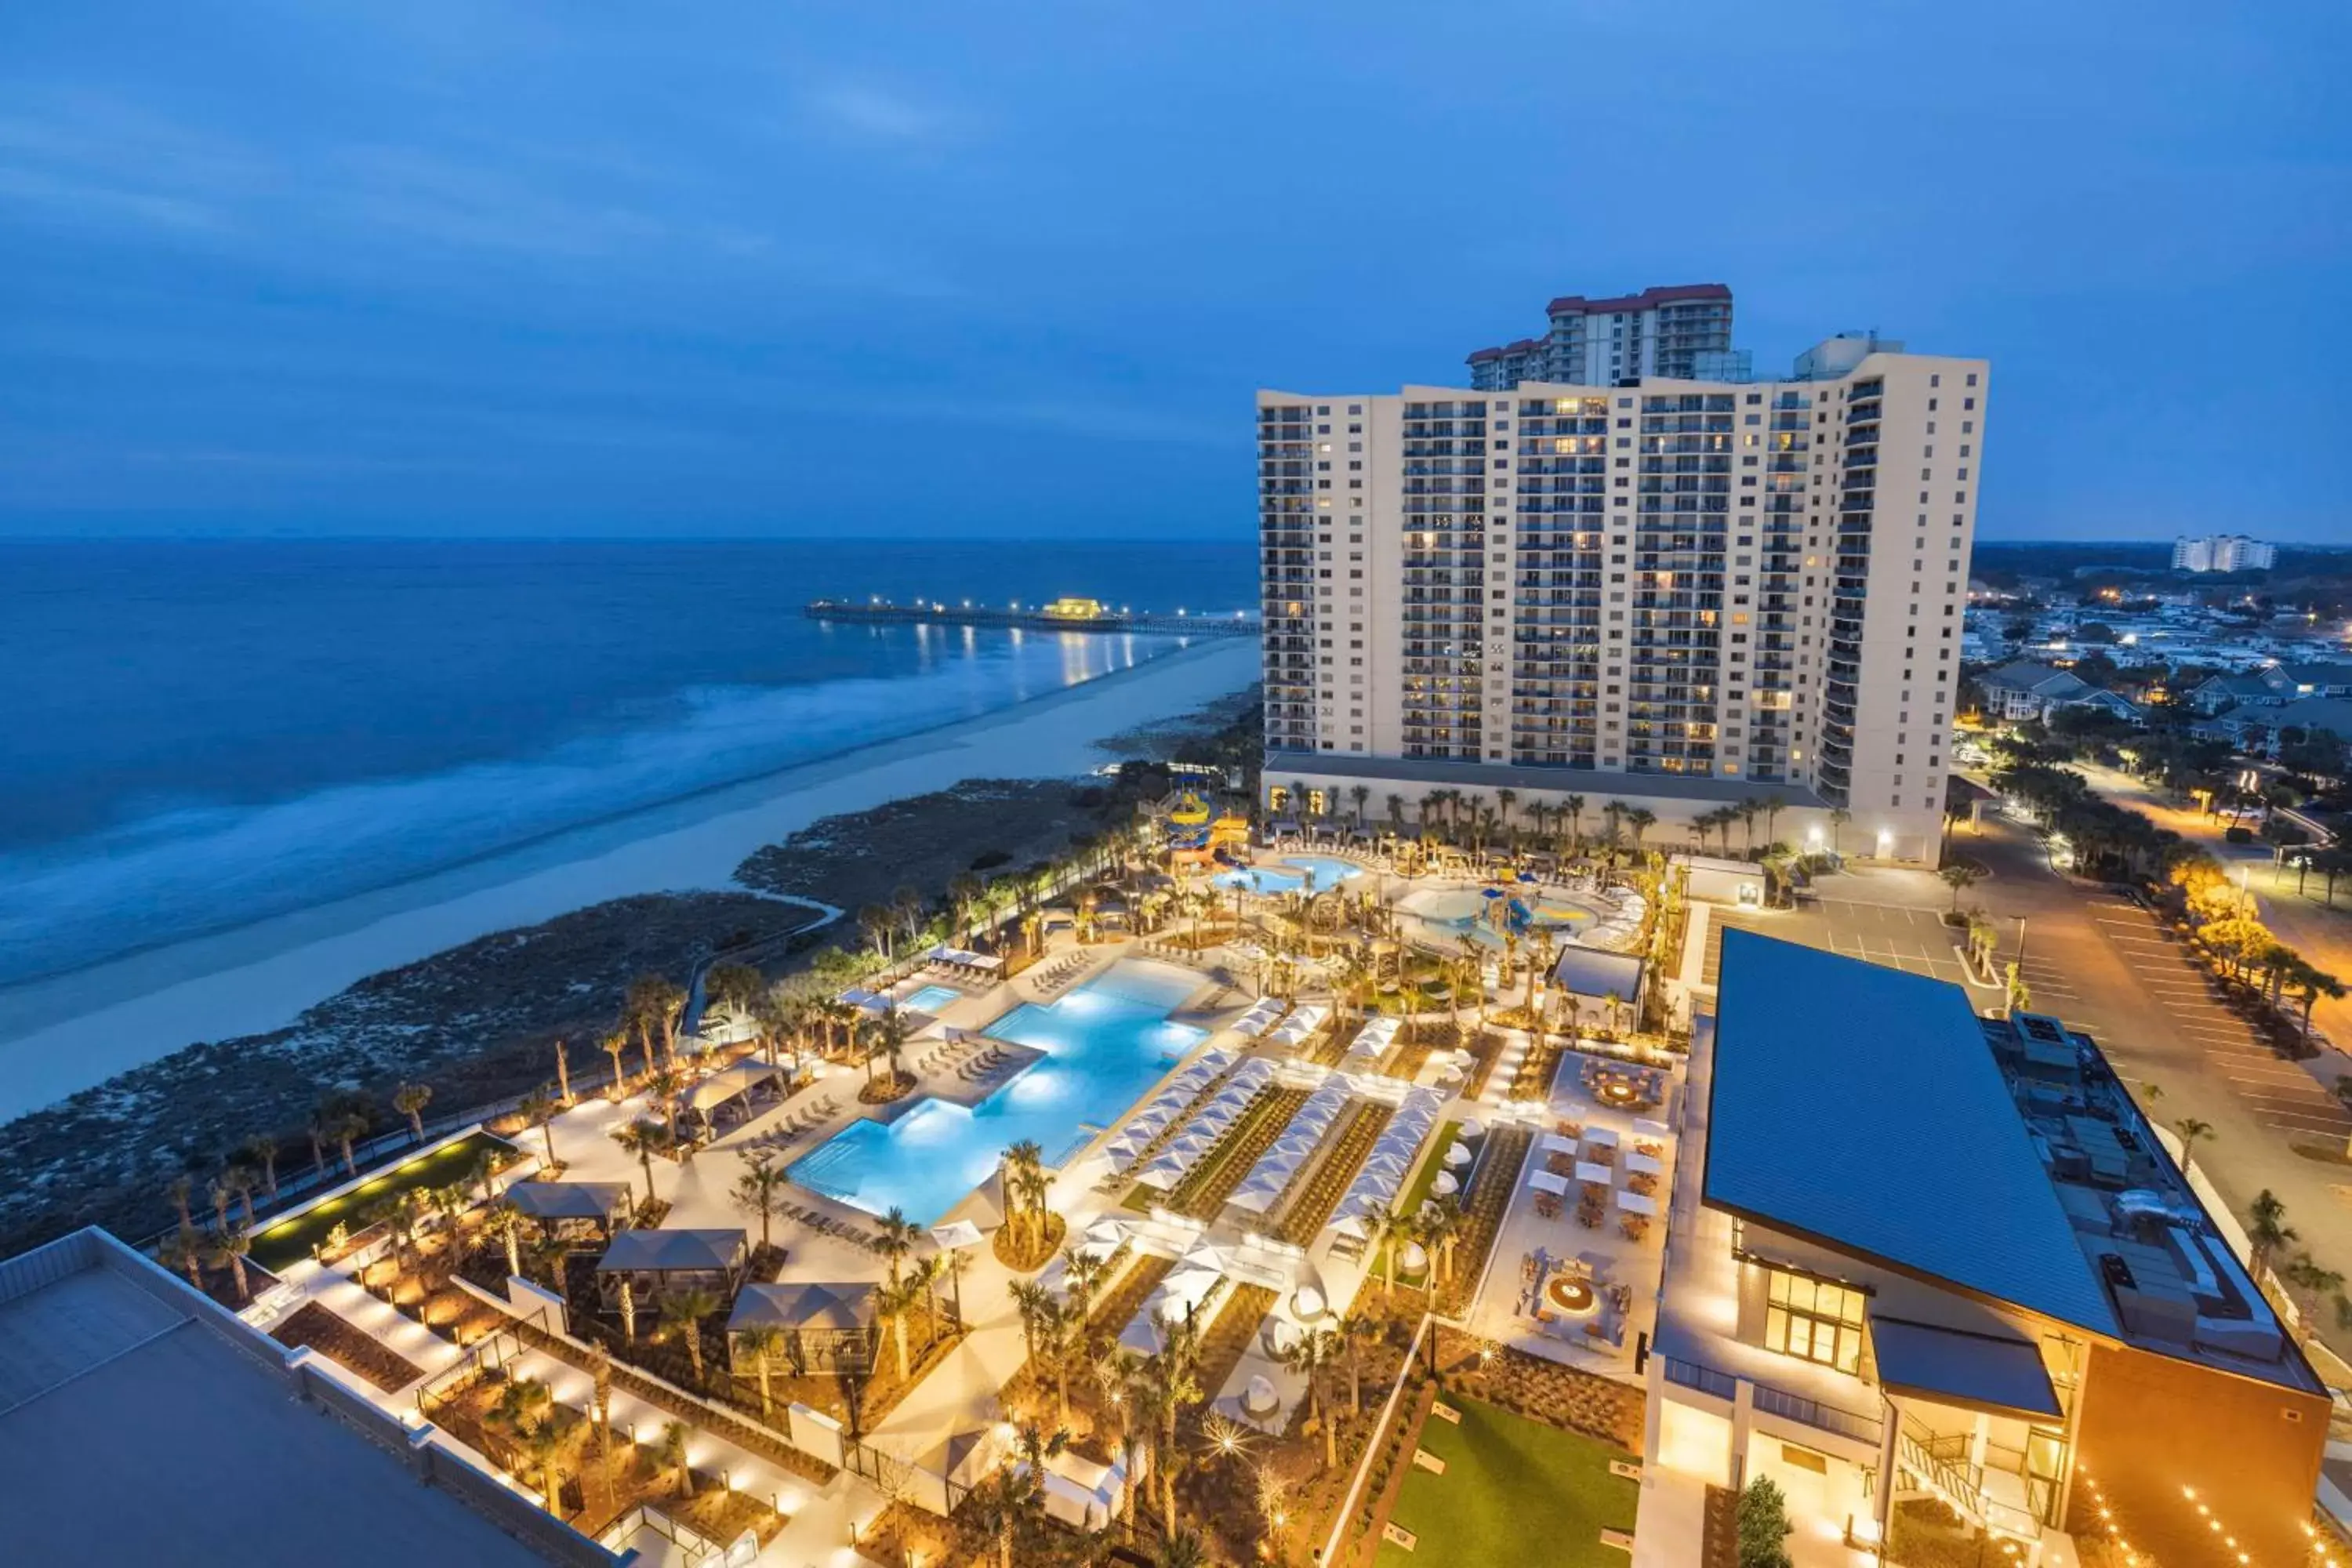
x,y
1924,1264
1666,331
1672,595
140,1421
2222,553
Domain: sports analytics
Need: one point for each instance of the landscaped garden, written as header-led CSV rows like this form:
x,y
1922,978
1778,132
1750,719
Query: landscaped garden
x,y
293,1240
1513,1490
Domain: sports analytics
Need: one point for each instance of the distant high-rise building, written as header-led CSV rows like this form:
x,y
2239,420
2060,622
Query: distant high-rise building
x,y
2222,553
1671,597
1602,343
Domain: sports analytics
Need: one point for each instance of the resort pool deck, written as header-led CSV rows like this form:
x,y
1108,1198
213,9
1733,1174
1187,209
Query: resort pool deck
x,y
1328,870
1104,1042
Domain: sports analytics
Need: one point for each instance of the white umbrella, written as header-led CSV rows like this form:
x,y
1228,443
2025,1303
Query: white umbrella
x,y
962,1232
1107,1230
1352,1227
1456,1155
1470,1128
1413,1259
1444,1185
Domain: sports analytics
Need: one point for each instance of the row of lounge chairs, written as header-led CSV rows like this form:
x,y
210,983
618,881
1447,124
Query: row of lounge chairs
x,y
825,1224
800,1122
958,1052
1054,976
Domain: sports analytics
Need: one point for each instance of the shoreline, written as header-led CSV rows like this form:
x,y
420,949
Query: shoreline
x,y
77,1030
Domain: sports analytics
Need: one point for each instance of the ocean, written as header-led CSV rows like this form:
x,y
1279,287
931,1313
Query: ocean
x,y
198,734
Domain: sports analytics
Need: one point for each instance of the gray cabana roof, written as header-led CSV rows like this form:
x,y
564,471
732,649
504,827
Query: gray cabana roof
x,y
570,1200
672,1251
728,1082
804,1306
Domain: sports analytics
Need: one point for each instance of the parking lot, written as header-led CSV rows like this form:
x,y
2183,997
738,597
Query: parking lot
x,y
2280,1093
1915,941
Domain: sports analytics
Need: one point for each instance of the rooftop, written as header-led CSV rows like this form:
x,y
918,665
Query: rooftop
x,y
1857,1105
1873,1112
118,1386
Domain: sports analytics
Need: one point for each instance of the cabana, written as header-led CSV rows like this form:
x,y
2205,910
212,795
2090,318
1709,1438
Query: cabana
x,y
574,1211
654,1262
825,1328
735,1093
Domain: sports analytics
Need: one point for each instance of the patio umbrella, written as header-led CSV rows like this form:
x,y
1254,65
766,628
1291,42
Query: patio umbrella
x,y
962,1232
1107,1230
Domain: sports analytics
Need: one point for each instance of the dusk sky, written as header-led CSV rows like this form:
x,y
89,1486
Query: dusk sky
x,y
315,265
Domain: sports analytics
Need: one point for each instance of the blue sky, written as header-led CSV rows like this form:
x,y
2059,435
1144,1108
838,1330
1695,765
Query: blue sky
x,y
317,266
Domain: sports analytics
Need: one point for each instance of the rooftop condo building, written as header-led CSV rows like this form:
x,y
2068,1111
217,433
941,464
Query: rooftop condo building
x,y
1671,594
1662,331
2222,553
1922,1257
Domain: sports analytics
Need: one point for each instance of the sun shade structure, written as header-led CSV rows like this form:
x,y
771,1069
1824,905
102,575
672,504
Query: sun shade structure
x,y
744,1080
1376,1184
804,1306
599,1203
1881,1126
1996,1372
1589,972
659,1260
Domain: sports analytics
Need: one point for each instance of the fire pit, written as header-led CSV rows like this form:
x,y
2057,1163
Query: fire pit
x,y
1567,1294
1616,1091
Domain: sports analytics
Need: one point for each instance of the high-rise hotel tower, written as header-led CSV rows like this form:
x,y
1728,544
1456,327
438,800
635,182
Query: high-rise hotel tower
x,y
1671,596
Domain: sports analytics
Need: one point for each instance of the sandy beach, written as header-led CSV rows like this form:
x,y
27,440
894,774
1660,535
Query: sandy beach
x,y
61,1035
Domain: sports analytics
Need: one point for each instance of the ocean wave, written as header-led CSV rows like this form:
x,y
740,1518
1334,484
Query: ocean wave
x,y
194,867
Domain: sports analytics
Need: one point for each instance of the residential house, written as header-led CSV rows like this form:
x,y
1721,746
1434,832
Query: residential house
x,y
2028,690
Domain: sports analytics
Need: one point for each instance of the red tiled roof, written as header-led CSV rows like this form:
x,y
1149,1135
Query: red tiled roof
x,y
1577,305
1482,356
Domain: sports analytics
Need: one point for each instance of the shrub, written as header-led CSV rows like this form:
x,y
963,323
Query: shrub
x,y
2238,835
1764,1527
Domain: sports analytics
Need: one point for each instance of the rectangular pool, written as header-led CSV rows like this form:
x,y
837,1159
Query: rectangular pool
x,y
931,999
1105,1043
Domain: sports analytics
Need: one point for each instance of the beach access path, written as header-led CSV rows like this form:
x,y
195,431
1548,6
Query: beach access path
x,y
73,1032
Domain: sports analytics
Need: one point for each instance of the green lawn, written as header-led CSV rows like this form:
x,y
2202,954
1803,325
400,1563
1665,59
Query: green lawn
x,y
1513,1490
291,1241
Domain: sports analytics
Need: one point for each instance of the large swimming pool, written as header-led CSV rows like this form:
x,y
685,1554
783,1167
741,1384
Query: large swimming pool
x,y
1105,1043
1328,870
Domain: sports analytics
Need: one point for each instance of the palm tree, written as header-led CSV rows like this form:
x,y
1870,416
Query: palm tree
x,y
1032,1301
2308,1281
760,1190
1356,1330
1574,806
503,1224
615,1044
1640,818
652,1008
563,1071
545,1450
2266,1228
674,1454
230,1244
1171,1385
1839,818
1359,794
342,1129
682,1312
763,1344
239,1181
1386,1229
2190,1130
894,1238
182,1251
643,1140
1311,1355
410,1100
1441,1229
663,1087
262,1151
1181,1549
1080,1271
1959,879
537,1109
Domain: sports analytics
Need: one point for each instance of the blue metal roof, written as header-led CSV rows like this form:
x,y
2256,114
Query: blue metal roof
x,y
1860,1106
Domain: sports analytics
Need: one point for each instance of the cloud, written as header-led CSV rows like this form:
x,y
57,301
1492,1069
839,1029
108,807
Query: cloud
x,y
874,114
